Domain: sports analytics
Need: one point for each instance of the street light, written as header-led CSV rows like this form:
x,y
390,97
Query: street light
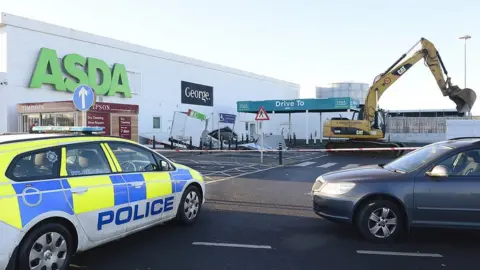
x,y
466,37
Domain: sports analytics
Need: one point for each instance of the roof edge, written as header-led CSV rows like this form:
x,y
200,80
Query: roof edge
x,y
52,29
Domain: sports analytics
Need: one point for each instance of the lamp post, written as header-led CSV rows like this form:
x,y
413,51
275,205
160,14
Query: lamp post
x,y
466,37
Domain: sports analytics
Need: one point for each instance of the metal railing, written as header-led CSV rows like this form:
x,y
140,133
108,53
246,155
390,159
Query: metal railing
x,y
419,124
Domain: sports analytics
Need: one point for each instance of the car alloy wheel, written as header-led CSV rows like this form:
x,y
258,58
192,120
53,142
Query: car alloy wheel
x,y
380,221
48,252
47,247
190,205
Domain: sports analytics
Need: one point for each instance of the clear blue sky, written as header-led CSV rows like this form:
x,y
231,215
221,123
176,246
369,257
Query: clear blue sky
x,y
309,42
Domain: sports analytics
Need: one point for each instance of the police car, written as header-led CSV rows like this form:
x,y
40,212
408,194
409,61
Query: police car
x,y
63,193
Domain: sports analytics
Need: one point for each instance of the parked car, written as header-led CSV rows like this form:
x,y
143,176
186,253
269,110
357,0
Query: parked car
x,y
437,185
64,193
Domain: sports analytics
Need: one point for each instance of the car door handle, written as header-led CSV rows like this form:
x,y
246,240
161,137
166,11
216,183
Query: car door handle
x,y
80,190
137,184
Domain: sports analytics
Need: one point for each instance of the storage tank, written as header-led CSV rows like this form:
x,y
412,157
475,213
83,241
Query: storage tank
x,y
344,89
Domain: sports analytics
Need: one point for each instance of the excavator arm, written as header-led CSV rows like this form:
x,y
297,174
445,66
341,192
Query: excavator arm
x,y
463,98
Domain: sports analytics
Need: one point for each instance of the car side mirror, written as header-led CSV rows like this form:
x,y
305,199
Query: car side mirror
x,y
438,171
164,165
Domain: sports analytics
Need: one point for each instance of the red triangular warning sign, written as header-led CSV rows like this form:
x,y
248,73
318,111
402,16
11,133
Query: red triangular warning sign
x,y
262,115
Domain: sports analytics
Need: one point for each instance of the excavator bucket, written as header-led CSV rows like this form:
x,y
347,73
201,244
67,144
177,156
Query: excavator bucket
x,y
463,98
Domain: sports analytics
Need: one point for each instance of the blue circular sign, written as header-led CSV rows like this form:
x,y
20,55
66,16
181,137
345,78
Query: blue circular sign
x,y
83,97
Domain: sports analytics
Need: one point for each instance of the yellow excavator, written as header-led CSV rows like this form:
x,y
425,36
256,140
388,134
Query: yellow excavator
x,y
367,127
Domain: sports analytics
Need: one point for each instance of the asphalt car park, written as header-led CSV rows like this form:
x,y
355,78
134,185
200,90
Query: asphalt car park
x,y
262,218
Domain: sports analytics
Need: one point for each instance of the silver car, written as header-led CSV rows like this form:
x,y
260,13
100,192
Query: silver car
x,y
437,185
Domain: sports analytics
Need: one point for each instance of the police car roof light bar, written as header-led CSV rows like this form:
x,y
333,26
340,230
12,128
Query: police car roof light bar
x,y
55,129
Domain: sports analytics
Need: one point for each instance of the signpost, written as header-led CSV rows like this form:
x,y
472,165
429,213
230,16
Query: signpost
x,y
261,116
83,99
227,119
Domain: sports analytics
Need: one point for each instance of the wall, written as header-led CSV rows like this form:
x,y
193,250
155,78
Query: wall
x,y
154,76
462,128
357,91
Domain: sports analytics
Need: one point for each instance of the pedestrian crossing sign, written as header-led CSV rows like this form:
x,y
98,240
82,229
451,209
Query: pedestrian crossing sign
x,y
262,115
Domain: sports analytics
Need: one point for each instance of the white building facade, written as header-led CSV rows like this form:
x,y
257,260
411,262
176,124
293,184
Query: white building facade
x,y
159,83
343,89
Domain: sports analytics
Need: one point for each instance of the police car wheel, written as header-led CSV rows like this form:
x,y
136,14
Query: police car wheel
x,y
49,245
189,206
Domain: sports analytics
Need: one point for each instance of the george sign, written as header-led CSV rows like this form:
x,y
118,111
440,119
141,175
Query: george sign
x,y
99,120
197,115
125,127
83,98
196,94
97,74
227,118
262,115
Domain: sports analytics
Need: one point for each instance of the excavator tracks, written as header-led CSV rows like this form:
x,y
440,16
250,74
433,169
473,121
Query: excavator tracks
x,y
366,144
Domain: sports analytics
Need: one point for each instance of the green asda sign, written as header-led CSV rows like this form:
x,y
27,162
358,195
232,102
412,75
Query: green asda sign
x,y
74,70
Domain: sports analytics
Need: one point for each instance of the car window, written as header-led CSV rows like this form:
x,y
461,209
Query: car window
x,y
133,158
86,159
36,165
463,163
415,159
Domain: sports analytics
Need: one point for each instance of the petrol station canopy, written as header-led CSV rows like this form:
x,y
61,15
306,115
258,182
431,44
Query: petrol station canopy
x,y
300,105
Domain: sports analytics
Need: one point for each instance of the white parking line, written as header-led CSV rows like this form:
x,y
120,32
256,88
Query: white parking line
x,y
304,164
257,171
326,165
230,245
349,166
411,254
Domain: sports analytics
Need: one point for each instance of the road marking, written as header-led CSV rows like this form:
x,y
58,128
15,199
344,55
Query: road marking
x,y
303,164
411,254
349,166
257,171
326,165
229,245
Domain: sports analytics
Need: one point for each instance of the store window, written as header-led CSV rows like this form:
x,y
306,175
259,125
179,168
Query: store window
x,y
157,122
47,119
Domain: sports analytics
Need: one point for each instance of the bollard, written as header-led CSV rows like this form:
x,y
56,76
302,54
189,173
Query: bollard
x,y
280,152
221,143
153,142
229,144
236,144
190,146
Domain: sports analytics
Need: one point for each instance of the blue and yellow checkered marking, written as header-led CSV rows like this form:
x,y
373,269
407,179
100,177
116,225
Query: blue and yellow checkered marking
x,y
113,190
51,198
120,190
136,193
179,178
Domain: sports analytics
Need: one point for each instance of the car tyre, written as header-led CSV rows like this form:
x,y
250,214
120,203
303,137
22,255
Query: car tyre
x,y
381,221
190,206
50,244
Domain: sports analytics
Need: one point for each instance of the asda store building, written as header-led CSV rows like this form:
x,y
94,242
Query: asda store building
x,y
139,90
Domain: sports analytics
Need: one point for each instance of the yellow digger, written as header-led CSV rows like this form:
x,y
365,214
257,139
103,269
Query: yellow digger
x,y
367,127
